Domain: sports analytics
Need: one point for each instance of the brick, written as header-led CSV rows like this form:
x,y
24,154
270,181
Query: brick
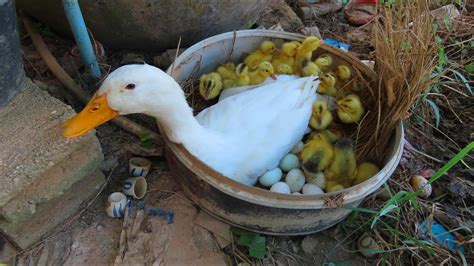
x,y
53,213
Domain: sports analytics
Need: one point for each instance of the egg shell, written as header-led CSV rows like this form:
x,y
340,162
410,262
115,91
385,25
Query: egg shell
x,y
295,180
298,147
366,245
280,187
312,189
290,161
270,177
419,182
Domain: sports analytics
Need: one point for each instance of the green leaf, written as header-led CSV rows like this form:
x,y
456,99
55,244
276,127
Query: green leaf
x,y
458,157
254,242
464,80
469,68
257,248
435,110
145,140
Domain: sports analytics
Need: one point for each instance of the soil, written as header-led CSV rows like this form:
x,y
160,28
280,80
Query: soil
x,y
94,238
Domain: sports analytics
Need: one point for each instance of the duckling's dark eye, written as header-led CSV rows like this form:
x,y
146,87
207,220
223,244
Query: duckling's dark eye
x,y
130,86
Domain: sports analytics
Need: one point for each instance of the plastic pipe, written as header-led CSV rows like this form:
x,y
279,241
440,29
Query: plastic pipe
x,y
79,30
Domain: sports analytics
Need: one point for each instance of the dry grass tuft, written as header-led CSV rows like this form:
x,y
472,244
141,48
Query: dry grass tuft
x,y
405,51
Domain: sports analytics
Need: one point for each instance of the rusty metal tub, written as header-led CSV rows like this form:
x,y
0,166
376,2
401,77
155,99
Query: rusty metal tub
x,y
253,208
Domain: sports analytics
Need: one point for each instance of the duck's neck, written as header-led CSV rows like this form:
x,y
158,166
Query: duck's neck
x,y
176,119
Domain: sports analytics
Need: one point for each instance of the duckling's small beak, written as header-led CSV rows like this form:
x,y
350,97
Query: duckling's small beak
x,y
96,112
278,50
273,76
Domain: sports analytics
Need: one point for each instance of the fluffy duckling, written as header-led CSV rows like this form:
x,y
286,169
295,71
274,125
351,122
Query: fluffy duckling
x,y
365,171
324,61
264,53
210,85
331,135
309,68
343,168
241,77
284,69
286,56
317,154
332,186
321,116
263,71
242,73
343,72
350,109
327,86
227,71
305,51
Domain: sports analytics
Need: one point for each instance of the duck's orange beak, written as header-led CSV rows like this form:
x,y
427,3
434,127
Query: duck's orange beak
x,y
96,112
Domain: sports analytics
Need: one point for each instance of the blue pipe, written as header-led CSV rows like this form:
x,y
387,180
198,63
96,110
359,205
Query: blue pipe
x,y
78,27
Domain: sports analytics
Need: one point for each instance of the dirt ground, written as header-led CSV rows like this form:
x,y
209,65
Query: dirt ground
x,y
92,237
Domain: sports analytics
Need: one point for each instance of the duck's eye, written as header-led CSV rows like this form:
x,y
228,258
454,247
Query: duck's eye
x,y
130,86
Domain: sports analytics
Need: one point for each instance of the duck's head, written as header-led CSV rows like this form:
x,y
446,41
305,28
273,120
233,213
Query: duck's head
x,y
210,85
311,43
265,69
349,104
268,47
289,48
309,68
127,90
328,79
320,108
241,70
229,65
343,72
284,69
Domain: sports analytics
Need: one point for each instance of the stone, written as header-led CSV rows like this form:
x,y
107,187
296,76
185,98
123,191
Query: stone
x,y
279,12
53,213
40,168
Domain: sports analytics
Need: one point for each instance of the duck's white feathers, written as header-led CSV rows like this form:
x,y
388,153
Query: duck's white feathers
x,y
256,128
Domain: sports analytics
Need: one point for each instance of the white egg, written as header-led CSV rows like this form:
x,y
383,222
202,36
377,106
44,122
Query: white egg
x,y
296,193
280,187
318,179
270,177
290,161
367,245
295,180
298,147
312,189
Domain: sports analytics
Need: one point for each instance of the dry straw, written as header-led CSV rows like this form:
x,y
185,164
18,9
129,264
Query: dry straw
x,y
405,49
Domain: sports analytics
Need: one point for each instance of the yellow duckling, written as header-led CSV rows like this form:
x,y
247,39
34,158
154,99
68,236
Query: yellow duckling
x,y
284,69
305,51
324,61
343,72
264,53
327,84
350,109
321,116
317,154
343,168
242,73
365,171
210,85
241,77
309,69
331,135
263,71
286,56
227,71
332,186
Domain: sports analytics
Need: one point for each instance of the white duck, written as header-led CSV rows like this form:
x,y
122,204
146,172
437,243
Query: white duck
x,y
241,137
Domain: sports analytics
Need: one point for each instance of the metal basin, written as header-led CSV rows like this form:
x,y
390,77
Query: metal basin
x,y
253,208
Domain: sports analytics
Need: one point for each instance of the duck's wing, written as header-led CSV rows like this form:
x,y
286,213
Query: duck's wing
x,y
265,123
232,91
